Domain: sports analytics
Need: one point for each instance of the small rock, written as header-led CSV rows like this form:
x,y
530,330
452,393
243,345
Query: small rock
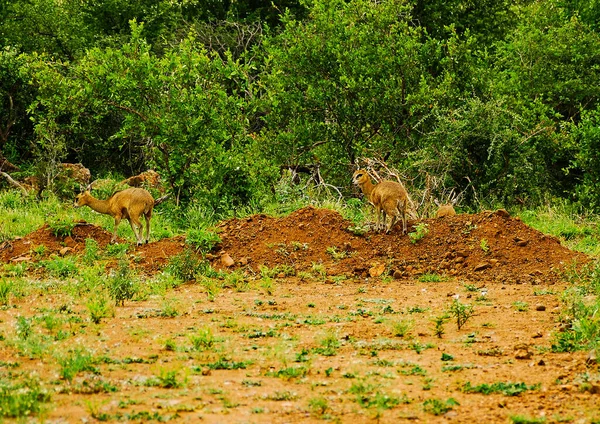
x,y
482,266
376,270
541,363
397,274
206,371
65,250
244,261
540,307
537,335
522,354
459,260
592,357
226,260
521,243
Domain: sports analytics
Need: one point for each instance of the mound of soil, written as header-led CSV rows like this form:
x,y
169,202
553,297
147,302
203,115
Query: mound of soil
x,y
488,246
151,257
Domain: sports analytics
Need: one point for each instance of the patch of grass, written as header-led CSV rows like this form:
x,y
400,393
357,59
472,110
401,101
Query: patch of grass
x,y
20,399
431,278
204,339
226,364
203,240
439,407
521,306
99,307
121,284
507,389
402,327
522,419
288,373
5,290
186,265
61,226
77,361
367,396
337,254
61,267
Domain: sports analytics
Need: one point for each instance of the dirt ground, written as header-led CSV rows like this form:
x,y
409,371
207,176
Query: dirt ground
x,y
320,339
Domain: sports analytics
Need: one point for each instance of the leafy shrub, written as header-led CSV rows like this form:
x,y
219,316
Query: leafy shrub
x,y
121,285
61,226
202,239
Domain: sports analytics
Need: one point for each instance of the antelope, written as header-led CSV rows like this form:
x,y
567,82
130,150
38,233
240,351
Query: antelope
x,y
388,198
445,210
130,203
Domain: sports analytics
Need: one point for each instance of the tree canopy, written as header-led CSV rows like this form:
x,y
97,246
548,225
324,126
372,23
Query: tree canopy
x,y
497,99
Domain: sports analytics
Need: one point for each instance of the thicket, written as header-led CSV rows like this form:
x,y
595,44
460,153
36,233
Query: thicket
x,y
498,100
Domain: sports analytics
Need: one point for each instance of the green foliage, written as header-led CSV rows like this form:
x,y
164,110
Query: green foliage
x,y
78,361
507,389
61,266
121,284
461,312
5,290
61,226
439,407
202,239
421,230
186,265
19,399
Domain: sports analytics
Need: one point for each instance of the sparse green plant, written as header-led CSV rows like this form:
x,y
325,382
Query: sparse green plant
x,y
522,419
368,396
211,286
39,250
431,278
77,361
61,226
169,379
237,281
521,306
186,265
329,344
319,269
203,339
421,230
117,250
337,254
461,312
438,324
543,292
439,407
470,287
484,245
5,289
224,363
402,327
170,345
507,389
61,266
268,285
17,270
91,252
318,406
121,284
169,309
99,307
20,399
288,373
203,240
24,327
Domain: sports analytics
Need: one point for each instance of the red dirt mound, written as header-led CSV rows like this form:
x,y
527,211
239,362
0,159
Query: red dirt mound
x,y
490,245
150,257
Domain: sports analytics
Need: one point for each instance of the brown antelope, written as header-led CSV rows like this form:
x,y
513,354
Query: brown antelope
x,y
445,210
388,198
129,204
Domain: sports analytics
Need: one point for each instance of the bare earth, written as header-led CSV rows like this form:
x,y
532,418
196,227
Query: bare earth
x,y
318,341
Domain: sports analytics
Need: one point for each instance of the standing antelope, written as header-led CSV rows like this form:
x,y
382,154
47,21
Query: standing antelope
x,y
130,204
388,197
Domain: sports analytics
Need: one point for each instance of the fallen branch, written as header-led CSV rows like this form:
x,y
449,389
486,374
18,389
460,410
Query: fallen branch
x,y
15,183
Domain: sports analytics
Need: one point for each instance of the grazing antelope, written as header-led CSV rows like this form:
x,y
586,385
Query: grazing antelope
x,y
388,197
129,204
